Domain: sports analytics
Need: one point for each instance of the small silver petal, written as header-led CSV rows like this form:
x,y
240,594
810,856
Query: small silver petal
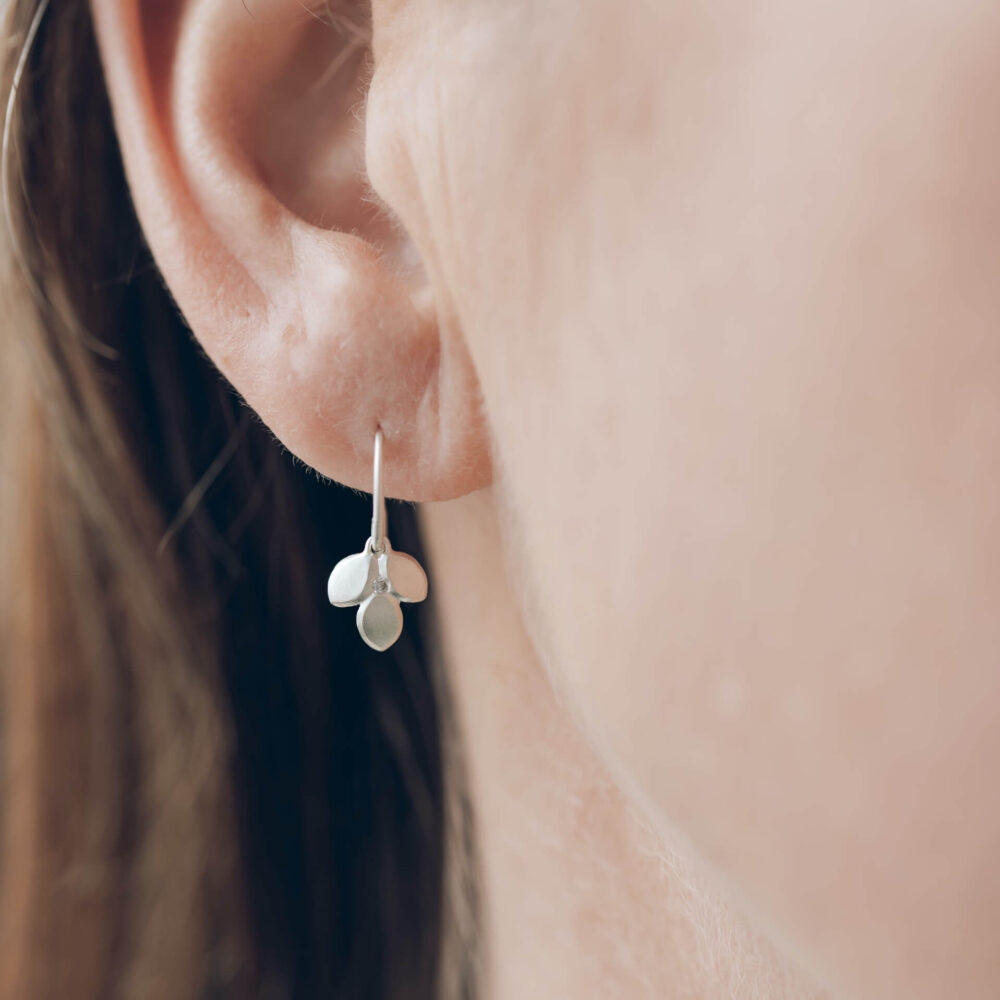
x,y
406,576
380,621
348,583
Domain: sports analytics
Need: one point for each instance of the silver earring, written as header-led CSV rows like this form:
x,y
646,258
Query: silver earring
x,y
377,578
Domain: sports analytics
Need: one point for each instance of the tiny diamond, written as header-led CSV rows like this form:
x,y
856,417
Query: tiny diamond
x,y
380,585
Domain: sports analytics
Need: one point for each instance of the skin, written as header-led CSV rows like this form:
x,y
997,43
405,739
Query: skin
x,y
583,898
698,302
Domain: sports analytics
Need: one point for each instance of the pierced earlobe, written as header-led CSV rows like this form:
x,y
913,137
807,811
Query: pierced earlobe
x,y
377,578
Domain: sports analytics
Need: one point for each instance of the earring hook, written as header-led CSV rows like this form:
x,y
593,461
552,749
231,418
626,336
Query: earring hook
x,y
378,497
377,578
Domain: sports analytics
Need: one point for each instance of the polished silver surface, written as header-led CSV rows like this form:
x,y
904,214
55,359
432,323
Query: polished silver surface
x,y
380,621
377,578
378,496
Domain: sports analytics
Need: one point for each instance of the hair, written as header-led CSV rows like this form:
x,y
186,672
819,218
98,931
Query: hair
x,y
209,785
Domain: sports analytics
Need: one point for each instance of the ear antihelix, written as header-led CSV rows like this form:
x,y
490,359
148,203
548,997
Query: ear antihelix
x,y
377,578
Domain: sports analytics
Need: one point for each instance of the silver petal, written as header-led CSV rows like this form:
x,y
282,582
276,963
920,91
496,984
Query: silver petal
x,y
380,621
348,583
407,578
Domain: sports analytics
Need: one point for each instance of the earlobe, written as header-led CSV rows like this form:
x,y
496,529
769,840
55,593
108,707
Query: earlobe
x,y
244,148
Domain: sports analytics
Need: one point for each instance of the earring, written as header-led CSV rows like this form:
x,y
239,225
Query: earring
x,y
377,578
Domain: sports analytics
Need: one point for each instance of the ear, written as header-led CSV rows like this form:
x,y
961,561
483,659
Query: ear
x,y
241,124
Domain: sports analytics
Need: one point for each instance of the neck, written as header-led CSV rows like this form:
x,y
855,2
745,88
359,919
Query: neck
x,y
582,899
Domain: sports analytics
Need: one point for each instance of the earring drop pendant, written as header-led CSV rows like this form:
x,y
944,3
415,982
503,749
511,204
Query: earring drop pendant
x,y
377,578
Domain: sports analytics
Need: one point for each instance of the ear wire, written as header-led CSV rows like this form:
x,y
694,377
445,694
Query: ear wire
x,y
378,497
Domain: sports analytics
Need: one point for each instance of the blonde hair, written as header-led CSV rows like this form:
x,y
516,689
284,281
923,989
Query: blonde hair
x,y
207,786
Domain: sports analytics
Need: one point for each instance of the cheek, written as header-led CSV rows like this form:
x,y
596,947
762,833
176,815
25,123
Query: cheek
x,y
543,199
743,475
525,171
